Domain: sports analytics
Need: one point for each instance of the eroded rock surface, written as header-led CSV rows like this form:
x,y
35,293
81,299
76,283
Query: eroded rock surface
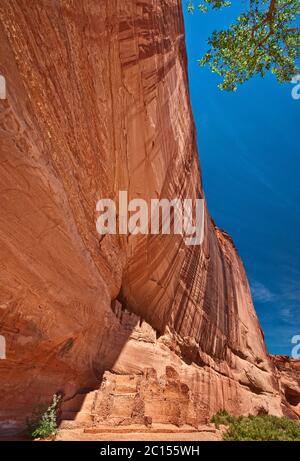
x,y
97,103
289,378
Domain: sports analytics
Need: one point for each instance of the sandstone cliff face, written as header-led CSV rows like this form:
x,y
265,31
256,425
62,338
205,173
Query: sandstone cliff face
x,y
288,372
97,103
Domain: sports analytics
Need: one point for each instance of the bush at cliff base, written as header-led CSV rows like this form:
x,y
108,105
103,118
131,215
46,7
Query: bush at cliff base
x,y
257,428
44,425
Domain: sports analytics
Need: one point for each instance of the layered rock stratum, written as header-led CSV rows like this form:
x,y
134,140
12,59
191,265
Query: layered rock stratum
x,y
127,328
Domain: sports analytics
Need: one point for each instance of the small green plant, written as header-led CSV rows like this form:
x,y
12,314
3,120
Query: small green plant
x,y
222,418
45,425
257,428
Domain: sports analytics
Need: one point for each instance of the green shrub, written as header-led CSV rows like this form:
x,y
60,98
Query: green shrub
x,y
44,425
222,417
258,428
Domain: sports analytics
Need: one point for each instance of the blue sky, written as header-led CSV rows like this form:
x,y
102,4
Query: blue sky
x,y
249,153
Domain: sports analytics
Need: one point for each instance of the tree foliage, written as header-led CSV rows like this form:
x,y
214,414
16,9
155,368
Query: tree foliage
x,y
264,38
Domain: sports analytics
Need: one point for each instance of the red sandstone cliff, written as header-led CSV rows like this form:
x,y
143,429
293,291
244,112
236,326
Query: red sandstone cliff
x,y
288,373
98,102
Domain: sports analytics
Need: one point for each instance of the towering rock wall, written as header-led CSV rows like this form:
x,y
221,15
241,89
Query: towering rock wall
x,y
97,103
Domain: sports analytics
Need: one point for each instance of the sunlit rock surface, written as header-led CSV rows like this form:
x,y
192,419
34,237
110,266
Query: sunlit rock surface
x,y
97,103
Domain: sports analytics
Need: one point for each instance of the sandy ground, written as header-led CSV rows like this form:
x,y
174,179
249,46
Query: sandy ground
x,y
79,435
157,433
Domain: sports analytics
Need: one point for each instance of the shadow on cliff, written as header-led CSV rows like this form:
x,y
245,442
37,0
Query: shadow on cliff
x,y
79,407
